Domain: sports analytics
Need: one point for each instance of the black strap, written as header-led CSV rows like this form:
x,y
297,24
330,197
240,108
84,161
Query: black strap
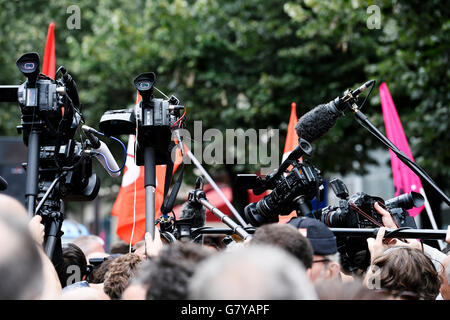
x,y
169,201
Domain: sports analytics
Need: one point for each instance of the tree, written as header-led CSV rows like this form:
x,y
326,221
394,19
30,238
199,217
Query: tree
x,y
270,53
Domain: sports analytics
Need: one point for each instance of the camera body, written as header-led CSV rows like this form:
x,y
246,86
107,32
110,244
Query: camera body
x,y
151,120
358,211
302,183
52,108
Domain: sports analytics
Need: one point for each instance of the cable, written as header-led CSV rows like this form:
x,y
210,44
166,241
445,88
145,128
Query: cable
x,y
184,114
124,150
367,96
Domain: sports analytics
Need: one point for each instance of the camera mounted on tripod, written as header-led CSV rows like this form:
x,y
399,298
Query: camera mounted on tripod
x,y
58,168
153,119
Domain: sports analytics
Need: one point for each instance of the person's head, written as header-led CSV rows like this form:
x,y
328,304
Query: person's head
x,y
119,273
251,273
98,273
137,288
89,244
338,290
326,260
445,279
404,272
73,267
120,247
84,293
11,206
21,266
287,237
172,270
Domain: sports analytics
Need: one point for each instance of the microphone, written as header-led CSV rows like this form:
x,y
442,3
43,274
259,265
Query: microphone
x,y
315,123
194,211
3,184
99,149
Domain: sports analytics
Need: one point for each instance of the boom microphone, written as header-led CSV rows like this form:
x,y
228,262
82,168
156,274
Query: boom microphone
x,y
315,123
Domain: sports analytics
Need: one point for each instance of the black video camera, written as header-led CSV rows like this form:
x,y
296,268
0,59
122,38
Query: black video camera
x,y
152,118
358,211
57,167
289,192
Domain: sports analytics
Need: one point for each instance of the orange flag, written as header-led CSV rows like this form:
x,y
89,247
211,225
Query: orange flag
x,y
130,212
289,145
48,67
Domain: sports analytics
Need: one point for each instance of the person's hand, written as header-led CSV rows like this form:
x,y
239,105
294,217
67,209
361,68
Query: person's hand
x,y
447,236
386,217
37,229
388,222
376,246
153,246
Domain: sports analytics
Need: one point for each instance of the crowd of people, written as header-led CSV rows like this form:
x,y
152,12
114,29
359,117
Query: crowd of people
x,y
299,260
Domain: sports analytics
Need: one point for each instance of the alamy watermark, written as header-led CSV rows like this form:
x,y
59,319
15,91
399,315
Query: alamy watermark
x,y
374,20
74,20
236,146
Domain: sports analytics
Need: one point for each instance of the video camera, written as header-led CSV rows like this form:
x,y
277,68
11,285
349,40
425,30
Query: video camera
x,y
153,119
358,211
57,167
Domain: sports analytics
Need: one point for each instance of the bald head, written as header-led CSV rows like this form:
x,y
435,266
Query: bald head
x,y
90,244
20,262
10,205
249,273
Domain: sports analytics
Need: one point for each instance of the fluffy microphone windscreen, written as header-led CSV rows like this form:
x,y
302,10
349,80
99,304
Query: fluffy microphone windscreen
x,y
195,211
315,123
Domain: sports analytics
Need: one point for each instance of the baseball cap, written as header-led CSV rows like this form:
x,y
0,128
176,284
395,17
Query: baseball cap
x,y
319,235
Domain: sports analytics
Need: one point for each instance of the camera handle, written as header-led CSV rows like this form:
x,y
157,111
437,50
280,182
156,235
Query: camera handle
x,y
31,187
150,185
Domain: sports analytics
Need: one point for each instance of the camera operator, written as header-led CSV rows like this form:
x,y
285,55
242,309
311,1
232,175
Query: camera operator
x,y
325,264
402,272
436,256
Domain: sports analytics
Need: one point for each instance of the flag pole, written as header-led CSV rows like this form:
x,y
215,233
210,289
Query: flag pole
x,y
431,216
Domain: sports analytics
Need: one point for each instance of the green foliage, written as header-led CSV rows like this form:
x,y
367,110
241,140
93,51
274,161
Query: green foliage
x,y
207,52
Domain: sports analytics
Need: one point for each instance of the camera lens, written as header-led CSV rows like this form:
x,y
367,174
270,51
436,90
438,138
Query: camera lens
x,y
28,66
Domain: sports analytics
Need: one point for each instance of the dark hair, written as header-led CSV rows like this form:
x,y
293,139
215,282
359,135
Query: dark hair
x,y
286,237
120,247
73,266
21,265
120,271
408,272
172,270
98,273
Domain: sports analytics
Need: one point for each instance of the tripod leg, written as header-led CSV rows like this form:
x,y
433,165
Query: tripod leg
x,y
150,185
53,236
32,172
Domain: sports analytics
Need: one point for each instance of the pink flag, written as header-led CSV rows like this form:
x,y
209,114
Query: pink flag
x,y
404,179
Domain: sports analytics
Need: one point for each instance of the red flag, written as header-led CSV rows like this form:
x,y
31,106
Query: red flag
x,y
129,207
290,144
404,179
48,67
